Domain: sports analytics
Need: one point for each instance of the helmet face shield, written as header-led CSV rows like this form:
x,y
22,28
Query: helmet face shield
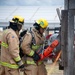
x,y
19,26
41,30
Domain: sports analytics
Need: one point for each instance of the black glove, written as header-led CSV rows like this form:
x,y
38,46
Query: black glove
x,y
21,65
45,46
36,57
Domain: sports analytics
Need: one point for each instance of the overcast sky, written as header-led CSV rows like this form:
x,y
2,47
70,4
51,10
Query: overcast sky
x,y
31,2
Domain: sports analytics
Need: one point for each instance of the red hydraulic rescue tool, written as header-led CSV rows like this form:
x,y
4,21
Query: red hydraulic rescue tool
x,y
47,52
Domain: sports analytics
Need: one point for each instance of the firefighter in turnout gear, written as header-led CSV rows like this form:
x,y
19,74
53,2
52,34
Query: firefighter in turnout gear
x,y
31,43
10,59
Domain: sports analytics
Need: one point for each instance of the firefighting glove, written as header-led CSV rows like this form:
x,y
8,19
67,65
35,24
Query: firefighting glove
x,y
36,57
21,65
45,46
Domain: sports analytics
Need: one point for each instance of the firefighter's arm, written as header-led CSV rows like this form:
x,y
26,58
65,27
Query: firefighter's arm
x,y
26,47
13,45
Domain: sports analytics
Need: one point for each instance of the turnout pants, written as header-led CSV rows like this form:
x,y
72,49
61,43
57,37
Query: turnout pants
x,y
35,70
8,71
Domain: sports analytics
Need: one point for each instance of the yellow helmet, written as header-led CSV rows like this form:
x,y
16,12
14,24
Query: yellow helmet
x,y
42,22
18,19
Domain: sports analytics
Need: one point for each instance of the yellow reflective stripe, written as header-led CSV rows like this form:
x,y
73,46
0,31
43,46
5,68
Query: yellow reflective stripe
x,y
4,45
17,58
35,47
32,62
5,31
40,62
31,53
9,65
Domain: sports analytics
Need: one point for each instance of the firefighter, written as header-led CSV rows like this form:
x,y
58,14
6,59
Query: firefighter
x,y
31,43
10,59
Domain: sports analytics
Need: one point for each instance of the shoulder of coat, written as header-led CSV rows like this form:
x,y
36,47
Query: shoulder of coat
x,y
28,34
10,33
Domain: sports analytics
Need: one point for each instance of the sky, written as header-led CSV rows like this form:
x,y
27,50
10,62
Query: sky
x,y
31,2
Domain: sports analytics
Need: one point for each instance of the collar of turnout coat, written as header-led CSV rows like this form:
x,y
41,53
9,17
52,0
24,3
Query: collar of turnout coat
x,y
36,32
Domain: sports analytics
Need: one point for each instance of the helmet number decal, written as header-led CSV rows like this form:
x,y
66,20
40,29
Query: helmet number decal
x,y
41,23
